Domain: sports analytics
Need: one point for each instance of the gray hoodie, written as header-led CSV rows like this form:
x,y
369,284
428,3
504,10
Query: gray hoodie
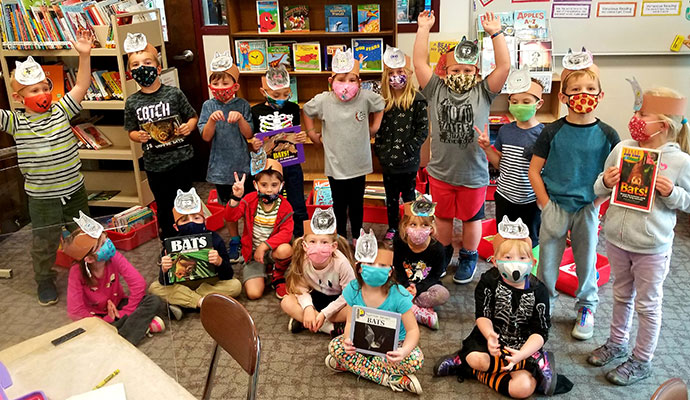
x,y
641,232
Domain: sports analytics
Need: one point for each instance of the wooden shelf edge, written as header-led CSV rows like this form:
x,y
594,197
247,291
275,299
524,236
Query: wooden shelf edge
x,y
97,52
108,153
120,200
312,33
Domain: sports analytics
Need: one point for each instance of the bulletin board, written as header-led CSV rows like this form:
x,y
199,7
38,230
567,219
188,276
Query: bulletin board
x,y
603,26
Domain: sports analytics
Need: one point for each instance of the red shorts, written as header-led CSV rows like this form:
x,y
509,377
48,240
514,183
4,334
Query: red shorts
x,y
461,202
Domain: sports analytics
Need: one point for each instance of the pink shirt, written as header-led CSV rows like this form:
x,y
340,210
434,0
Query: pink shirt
x,y
84,301
329,281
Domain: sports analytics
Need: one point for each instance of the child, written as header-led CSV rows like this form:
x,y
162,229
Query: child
x,y
349,118
94,288
514,196
321,268
571,152
374,284
418,261
277,112
48,158
180,288
227,122
267,229
168,161
638,244
404,127
458,170
505,348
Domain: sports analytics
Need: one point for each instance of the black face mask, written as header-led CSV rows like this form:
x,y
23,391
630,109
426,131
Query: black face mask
x,y
145,75
268,198
192,228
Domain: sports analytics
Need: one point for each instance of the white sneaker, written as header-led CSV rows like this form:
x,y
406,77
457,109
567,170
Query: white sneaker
x,y
584,324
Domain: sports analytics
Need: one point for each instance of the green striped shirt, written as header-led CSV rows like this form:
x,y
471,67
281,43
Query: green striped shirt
x,y
264,221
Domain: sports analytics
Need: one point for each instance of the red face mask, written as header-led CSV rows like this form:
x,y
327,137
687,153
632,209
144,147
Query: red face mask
x,y
225,94
39,103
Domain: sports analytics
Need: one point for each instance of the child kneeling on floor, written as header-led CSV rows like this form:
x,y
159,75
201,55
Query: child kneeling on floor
x,y
196,273
505,348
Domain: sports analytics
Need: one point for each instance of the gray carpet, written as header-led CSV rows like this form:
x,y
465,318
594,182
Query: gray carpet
x,y
292,366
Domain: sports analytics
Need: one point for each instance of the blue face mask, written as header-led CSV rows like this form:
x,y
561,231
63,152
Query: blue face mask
x,y
275,103
374,276
106,252
145,75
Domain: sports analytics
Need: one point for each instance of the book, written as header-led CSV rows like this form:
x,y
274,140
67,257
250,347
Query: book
x,y
330,51
190,257
531,25
267,16
638,171
499,119
280,144
278,55
162,130
289,64
535,55
322,193
296,18
488,60
338,17
293,90
307,56
401,11
369,52
93,136
102,195
251,54
56,75
545,78
437,48
373,331
368,18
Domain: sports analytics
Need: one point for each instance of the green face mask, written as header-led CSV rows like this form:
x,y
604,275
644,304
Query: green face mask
x,y
523,112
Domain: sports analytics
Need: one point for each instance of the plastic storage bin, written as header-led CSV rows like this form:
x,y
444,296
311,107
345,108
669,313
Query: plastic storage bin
x,y
216,221
567,278
135,237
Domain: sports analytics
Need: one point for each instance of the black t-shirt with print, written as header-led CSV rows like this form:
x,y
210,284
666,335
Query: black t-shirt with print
x,y
423,269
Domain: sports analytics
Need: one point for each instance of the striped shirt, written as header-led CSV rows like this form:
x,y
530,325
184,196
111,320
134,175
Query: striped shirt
x,y
264,221
46,149
515,145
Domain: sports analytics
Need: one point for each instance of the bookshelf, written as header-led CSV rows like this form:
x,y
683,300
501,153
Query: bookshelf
x,y
242,24
132,184
549,111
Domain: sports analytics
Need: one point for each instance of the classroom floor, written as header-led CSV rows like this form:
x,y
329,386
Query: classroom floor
x,y
292,366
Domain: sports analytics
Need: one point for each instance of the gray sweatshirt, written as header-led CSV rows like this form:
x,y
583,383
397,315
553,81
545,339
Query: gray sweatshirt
x,y
641,232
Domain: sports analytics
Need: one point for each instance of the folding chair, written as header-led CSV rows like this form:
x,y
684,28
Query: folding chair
x,y
672,389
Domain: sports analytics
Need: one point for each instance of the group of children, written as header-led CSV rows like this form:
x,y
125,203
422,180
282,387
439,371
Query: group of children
x,y
552,179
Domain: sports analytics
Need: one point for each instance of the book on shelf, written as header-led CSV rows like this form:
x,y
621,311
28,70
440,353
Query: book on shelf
x,y
338,17
322,193
279,55
293,89
373,331
93,137
252,54
488,61
437,48
369,52
267,16
56,76
368,18
535,55
101,195
189,256
330,50
499,119
638,168
296,18
289,64
307,56
374,192
531,25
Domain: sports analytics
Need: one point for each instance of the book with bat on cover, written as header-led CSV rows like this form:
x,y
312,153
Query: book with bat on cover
x,y
163,130
638,170
282,146
190,257
373,331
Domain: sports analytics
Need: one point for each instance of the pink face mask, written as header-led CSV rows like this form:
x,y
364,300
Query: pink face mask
x,y
345,90
418,235
638,129
319,253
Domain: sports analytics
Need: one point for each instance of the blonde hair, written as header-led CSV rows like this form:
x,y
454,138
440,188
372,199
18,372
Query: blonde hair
x,y
147,51
407,220
405,100
522,246
294,278
578,74
677,130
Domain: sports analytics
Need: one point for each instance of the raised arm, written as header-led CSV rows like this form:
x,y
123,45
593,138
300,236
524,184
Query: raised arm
x,y
420,53
83,47
492,26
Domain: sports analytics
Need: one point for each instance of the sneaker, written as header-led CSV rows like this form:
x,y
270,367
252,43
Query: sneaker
x,y
338,329
333,364
448,365
467,265
584,324
400,383
545,368
631,371
281,291
295,326
390,234
426,316
47,293
155,326
176,311
234,251
608,352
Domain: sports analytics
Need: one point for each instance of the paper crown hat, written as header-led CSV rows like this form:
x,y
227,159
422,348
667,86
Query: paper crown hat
x,y
135,42
28,72
260,161
368,252
188,203
222,62
508,229
393,57
83,242
466,52
520,81
344,62
421,207
321,223
578,61
276,78
649,103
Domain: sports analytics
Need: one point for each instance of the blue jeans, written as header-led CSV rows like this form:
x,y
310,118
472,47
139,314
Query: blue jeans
x,y
294,186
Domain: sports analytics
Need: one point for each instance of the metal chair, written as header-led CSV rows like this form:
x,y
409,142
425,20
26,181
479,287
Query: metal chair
x,y
233,329
672,389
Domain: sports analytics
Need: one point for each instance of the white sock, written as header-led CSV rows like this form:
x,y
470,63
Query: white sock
x,y
327,327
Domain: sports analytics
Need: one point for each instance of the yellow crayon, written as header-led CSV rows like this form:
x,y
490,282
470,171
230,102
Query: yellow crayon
x,y
677,42
107,379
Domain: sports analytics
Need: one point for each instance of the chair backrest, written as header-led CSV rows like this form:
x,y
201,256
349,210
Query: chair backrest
x,y
672,389
231,326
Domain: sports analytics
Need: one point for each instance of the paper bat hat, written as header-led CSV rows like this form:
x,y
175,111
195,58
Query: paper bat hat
x,y
520,81
260,161
344,62
466,52
188,203
222,62
276,78
83,242
28,72
135,42
637,92
421,207
578,61
393,57
367,251
508,229
321,223
652,104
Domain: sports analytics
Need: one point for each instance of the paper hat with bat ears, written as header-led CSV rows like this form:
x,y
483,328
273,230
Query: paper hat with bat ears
x,y
222,62
344,63
466,52
260,161
421,207
649,103
508,229
28,72
83,242
321,223
578,61
188,203
135,42
520,81
276,78
393,58
368,252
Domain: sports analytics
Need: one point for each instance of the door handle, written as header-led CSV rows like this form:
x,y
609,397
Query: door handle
x,y
186,55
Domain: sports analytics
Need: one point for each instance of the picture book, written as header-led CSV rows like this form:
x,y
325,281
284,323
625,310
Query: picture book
x,y
536,55
281,144
56,75
545,78
162,131
322,192
93,136
401,11
307,56
330,51
289,64
638,170
438,48
293,90
531,25
278,55
369,52
190,257
338,17
373,331
267,16
488,61
368,18
507,22
251,55
295,18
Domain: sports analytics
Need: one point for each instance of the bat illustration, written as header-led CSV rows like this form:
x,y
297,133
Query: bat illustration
x,y
371,339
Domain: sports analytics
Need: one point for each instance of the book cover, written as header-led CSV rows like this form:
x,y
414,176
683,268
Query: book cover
x,y
94,136
281,144
289,64
437,48
373,331
293,90
369,52
190,257
56,76
488,60
307,56
638,169
368,18
401,11
536,55
330,51
530,24
338,17
296,18
267,16
251,54
278,55
162,130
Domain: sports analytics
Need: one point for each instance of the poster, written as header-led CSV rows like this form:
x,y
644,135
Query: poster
x,y
571,10
660,8
638,170
616,9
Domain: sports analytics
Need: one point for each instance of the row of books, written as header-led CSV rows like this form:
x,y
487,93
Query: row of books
x,y
90,137
127,220
295,18
259,54
105,85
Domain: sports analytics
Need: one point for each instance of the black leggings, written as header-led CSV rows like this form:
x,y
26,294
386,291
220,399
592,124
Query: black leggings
x,y
348,198
397,185
164,187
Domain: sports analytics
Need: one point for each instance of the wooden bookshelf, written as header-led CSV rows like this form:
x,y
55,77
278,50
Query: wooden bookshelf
x,y
549,111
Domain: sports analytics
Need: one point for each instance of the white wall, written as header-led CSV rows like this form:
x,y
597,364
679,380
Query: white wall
x,y
212,44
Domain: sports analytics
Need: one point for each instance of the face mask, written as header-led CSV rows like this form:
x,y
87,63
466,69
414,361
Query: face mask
x,y
268,198
418,235
275,103
145,75
39,103
225,94
192,228
397,81
514,271
460,82
106,252
583,103
523,112
374,276
638,129
345,90
319,253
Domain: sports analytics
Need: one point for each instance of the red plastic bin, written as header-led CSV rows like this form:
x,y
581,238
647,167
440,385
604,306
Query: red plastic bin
x,y
212,198
63,260
567,278
491,192
372,214
486,247
216,221
134,238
